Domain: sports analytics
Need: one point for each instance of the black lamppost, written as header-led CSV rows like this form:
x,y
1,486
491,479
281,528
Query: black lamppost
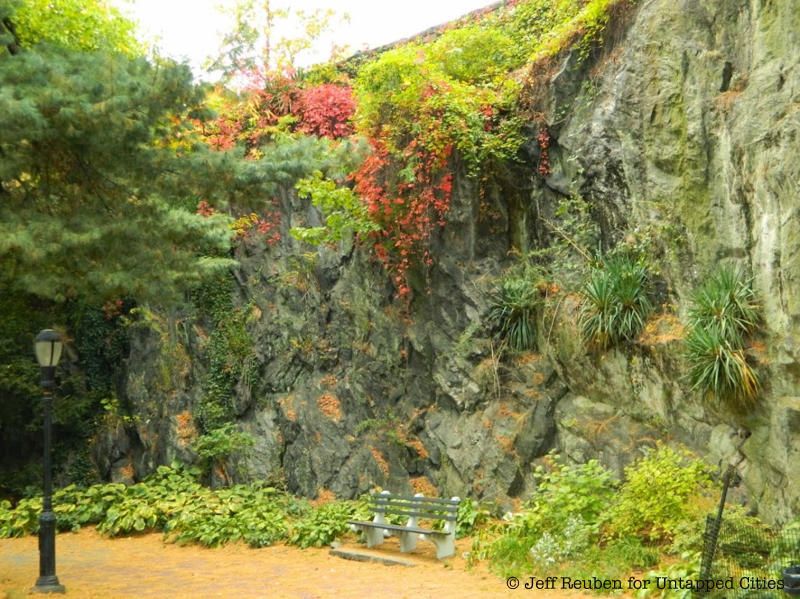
x,y
48,352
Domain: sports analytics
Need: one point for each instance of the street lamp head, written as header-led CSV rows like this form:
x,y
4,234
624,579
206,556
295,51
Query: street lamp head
x,y
48,348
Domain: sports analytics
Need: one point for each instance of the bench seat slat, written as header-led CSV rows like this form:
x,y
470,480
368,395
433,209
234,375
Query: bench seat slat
x,y
422,531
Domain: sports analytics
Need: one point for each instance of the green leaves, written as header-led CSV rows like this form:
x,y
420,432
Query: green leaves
x,y
561,520
345,214
654,499
725,303
513,312
723,315
323,525
173,501
615,302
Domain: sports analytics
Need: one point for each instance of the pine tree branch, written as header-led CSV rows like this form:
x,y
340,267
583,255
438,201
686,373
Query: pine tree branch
x,y
7,25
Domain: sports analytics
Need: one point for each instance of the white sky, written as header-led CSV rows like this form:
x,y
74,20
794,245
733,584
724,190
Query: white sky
x,y
191,29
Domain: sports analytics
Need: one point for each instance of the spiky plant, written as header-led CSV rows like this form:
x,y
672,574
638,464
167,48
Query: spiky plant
x,y
719,367
726,302
723,313
513,312
616,303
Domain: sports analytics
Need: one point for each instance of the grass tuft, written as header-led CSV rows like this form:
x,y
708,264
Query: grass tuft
x,y
615,302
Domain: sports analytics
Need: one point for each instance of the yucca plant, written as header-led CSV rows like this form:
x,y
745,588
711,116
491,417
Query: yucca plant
x,y
724,312
615,302
726,303
513,312
719,367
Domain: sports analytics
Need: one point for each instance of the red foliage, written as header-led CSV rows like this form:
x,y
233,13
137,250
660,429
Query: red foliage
x,y
267,227
204,208
326,110
544,157
409,212
267,99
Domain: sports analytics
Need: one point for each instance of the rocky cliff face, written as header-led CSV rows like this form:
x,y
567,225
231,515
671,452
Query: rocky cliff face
x,y
685,127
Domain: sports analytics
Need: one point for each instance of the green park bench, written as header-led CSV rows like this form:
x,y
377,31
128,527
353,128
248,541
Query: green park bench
x,y
415,508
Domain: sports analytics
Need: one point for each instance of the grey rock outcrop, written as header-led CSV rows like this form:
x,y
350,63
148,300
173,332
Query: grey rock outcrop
x,y
687,127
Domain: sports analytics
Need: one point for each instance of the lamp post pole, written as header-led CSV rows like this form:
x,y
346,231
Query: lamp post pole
x,y
48,581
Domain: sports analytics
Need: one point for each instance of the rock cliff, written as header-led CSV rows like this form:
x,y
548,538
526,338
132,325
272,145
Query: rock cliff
x,y
685,126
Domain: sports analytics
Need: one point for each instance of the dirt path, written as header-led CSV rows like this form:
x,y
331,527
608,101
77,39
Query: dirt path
x,y
92,566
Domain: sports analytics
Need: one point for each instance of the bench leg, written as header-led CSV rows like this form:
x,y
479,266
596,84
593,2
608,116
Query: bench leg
x,y
408,541
374,536
445,546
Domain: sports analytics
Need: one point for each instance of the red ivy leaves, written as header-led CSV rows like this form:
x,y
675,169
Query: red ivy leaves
x,y
543,140
326,110
409,209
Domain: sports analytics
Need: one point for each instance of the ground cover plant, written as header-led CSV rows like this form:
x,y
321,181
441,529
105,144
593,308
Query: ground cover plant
x,y
172,500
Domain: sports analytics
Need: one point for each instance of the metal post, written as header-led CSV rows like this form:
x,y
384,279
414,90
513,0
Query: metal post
x,y
713,527
47,581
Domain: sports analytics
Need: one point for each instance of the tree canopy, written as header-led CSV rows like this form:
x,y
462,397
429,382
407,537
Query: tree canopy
x,y
102,169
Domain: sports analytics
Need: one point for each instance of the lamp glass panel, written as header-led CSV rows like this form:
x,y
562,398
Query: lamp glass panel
x,y
48,353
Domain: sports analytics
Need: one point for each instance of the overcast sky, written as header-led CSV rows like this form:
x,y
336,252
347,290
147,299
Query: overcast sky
x,y
191,28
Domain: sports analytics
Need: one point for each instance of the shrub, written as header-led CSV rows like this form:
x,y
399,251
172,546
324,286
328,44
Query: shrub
x,y
561,520
723,314
326,110
250,514
476,54
22,520
470,516
654,499
323,525
513,312
218,445
615,302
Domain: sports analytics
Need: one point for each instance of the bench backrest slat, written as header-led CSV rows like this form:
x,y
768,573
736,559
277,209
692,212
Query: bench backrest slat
x,y
411,498
432,508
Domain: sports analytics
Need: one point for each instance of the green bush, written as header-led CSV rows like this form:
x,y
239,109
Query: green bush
x,y
476,54
218,445
655,497
250,514
561,520
615,302
22,520
723,314
687,568
323,525
513,312
470,516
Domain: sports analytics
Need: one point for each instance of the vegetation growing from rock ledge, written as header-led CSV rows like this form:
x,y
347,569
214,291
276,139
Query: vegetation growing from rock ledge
x,y
616,302
723,317
514,311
